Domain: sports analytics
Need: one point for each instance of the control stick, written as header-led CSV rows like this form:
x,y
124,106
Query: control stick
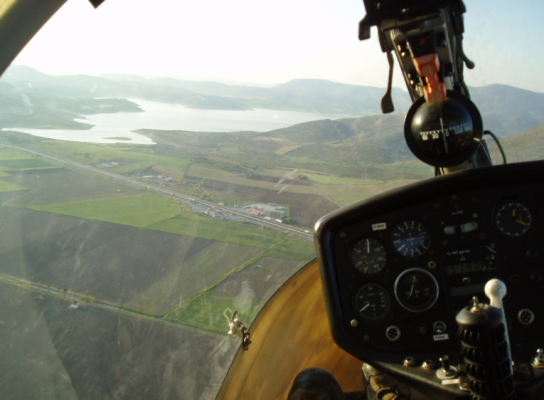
x,y
482,330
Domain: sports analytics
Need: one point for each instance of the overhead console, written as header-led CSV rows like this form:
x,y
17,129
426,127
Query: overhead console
x,y
398,267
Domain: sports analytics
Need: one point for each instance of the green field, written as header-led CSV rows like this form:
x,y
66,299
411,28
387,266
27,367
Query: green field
x,y
11,159
411,167
86,153
335,180
243,234
139,210
165,215
202,271
8,154
308,160
206,311
10,187
31,163
230,150
226,200
346,199
292,249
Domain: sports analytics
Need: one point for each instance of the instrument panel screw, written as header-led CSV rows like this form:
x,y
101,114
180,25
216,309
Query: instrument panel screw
x,y
354,323
428,364
342,235
431,265
410,362
366,338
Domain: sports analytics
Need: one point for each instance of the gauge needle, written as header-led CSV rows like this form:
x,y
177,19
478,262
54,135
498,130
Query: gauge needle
x,y
514,212
365,307
411,290
521,222
367,246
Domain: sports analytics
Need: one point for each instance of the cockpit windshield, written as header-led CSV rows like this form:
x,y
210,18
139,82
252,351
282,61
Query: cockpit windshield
x,y
162,167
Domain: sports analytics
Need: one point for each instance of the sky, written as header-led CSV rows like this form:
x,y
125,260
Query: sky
x,y
251,41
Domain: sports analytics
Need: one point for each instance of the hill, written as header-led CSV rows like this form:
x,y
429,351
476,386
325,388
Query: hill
x,y
374,139
507,110
526,146
309,95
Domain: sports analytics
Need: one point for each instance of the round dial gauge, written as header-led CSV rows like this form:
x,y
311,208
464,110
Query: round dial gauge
x,y
368,256
372,302
513,219
411,238
416,290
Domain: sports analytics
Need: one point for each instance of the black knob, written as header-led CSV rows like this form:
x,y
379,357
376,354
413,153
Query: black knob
x,y
484,346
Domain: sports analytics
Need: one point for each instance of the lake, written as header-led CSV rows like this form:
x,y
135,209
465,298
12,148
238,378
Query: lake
x,y
166,116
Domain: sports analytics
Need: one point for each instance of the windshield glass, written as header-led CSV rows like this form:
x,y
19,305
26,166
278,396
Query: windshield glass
x,y
163,167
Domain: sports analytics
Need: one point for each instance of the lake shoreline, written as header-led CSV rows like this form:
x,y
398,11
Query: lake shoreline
x,y
111,127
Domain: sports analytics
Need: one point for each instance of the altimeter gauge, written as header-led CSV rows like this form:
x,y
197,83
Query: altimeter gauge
x,y
411,238
513,218
372,302
368,256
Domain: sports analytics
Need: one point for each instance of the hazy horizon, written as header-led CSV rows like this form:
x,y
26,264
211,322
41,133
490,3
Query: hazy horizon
x,y
243,43
223,81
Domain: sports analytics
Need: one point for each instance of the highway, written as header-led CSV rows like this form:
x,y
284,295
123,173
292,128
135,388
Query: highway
x,y
246,216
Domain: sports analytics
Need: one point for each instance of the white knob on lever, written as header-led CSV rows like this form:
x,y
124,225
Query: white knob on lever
x,y
495,290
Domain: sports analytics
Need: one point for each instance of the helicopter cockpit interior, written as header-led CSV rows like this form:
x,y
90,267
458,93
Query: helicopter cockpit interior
x,y
184,266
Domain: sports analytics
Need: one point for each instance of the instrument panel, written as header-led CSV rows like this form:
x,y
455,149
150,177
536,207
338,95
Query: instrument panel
x,y
398,267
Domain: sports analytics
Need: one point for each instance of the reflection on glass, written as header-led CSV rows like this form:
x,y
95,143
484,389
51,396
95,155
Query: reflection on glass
x,y
123,246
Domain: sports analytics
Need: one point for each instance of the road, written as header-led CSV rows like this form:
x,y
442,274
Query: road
x,y
246,216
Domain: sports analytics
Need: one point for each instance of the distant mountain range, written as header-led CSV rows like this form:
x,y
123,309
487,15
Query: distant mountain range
x,y
310,95
506,110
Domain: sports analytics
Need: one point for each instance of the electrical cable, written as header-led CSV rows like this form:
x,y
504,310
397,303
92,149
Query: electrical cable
x,y
499,145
